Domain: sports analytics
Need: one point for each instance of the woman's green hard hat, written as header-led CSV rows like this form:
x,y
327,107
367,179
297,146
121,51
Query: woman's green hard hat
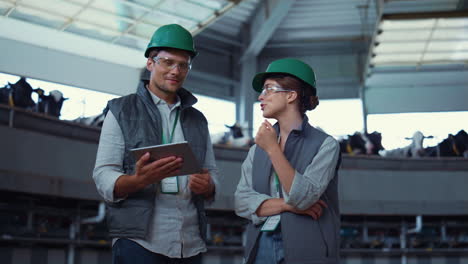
x,y
290,66
172,36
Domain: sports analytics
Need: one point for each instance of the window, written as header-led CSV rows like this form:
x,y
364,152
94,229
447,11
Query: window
x,y
395,127
258,118
336,117
84,103
339,117
80,103
218,112
7,78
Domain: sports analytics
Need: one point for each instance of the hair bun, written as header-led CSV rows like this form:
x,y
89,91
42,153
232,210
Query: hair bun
x,y
313,102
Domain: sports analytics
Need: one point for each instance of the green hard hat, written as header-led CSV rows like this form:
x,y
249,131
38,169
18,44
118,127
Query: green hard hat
x,y
290,66
172,36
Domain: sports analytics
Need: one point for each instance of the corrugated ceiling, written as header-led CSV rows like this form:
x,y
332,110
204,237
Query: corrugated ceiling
x,y
121,22
422,41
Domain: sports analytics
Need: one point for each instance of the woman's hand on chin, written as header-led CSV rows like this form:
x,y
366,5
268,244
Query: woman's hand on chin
x,y
266,137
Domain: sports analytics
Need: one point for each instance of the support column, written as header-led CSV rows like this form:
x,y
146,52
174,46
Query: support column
x,y
255,35
245,95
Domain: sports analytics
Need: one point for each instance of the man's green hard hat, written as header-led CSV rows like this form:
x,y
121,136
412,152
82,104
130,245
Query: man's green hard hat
x,y
172,36
290,66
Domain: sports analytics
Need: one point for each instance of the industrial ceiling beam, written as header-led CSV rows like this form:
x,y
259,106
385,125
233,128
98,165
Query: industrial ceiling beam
x,y
215,35
379,7
56,40
268,26
319,43
426,15
365,68
216,15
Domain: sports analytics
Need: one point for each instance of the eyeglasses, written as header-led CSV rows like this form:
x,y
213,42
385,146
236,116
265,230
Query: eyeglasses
x,y
267,90
170,64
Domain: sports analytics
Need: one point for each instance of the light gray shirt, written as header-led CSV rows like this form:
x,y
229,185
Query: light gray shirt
x,y
306,188
174,230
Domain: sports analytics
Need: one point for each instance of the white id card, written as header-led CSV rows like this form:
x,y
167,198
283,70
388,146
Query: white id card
x,y
271,223
170,185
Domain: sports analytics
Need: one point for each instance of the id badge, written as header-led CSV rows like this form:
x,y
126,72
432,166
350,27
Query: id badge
x,y
170,185
271,223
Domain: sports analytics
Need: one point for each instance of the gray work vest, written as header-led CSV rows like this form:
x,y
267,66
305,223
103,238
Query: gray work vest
x,y
305,240
140,121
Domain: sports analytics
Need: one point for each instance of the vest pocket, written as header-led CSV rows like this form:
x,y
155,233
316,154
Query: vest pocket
x,y
129,218
303,238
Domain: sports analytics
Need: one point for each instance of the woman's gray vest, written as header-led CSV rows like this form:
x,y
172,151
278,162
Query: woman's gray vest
x,y
140,121
305,240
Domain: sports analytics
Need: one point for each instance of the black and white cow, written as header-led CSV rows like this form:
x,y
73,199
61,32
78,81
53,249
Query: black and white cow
x,y
362,144
414,150
235,137
18,94
373,143
453,146
50,104
96,120
6,95
353,144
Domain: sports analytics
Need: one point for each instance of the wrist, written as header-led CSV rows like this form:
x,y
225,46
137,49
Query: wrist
x,y
210,192
138,181
285,207
273,149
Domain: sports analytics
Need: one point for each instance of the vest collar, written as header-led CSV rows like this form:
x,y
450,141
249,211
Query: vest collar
x,y
299,130
186,98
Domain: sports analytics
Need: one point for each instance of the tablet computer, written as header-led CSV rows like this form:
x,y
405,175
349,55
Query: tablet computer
x,y
190,164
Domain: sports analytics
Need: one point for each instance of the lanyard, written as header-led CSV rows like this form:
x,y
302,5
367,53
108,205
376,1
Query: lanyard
x,y
163,138
277,184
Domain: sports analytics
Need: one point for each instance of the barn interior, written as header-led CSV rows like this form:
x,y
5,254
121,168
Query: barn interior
x,y
393,56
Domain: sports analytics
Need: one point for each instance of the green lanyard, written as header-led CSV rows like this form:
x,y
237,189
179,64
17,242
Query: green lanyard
x,y
163,138
277,184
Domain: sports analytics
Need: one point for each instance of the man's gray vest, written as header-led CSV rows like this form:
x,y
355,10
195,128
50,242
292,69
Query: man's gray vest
x,y
140,121
305,240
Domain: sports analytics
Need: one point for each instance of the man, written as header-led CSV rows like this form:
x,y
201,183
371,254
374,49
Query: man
x,y
149,225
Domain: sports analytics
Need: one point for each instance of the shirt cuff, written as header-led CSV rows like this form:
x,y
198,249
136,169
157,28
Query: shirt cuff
x,y
107,187
256,220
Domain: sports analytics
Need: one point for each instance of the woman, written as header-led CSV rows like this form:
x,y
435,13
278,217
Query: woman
x,y
289,184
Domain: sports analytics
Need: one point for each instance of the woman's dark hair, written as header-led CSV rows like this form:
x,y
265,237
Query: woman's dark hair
x,y
307,93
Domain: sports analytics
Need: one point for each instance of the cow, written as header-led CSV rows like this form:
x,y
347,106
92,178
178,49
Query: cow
x,y
50,104
353,145
95,120
18,94
219,138
373,143
414,150
6,95
40,105
452,146
362,144
235,137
